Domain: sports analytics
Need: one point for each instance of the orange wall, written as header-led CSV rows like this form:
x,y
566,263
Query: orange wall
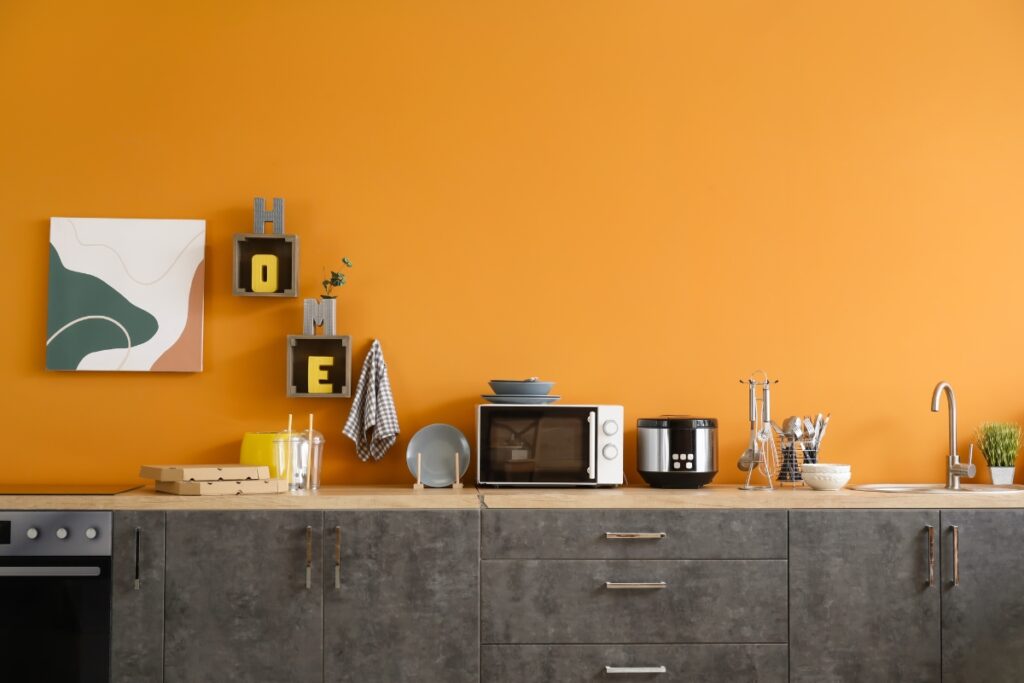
x,y
644,201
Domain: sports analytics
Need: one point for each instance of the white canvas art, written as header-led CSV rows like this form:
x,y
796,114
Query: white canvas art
x,y
126,294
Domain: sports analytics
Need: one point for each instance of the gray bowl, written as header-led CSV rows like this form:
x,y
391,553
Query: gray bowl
x,y
512,387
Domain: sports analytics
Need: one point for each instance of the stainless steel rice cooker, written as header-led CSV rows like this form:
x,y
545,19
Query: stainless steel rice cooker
x,y
677,451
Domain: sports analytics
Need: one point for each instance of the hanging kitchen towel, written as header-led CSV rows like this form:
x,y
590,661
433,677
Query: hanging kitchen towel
x,y
372,422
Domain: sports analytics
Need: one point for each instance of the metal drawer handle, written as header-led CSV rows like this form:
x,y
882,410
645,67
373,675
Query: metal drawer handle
x,y
138,558
956,555
49,571
637,535
635,585
337,558
635,670
309,557
931,555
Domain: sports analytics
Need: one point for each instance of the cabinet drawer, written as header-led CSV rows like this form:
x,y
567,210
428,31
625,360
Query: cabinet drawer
x,y
579,663
634,534
569,601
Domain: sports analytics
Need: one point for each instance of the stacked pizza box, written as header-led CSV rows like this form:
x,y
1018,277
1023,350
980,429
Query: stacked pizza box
x,y
213,480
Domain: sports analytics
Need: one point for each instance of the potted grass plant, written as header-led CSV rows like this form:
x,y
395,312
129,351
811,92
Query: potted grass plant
x,y
1000,442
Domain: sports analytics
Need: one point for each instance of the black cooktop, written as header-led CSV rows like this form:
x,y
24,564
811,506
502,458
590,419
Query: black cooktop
x,y
65,489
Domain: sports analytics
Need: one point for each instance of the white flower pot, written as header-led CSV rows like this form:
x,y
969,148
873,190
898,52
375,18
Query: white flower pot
x,y
1002,476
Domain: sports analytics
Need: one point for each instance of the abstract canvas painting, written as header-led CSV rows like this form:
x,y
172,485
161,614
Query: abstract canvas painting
x,y
126,295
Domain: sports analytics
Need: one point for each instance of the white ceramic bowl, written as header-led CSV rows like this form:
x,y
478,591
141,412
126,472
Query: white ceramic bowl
x,y
824,467
826,481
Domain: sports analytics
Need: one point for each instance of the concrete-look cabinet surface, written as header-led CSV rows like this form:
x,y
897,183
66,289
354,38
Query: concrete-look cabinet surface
x,y
137,598
982,595
503,595
584,595
861,605
237,605
402,596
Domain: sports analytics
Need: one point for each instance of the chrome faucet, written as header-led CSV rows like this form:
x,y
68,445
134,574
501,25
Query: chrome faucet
x,y
954,468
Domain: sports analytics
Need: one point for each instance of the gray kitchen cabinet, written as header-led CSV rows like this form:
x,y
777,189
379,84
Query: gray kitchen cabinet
x,y
633,601
982,595
402,596
864,603
664,663
137,598
237,604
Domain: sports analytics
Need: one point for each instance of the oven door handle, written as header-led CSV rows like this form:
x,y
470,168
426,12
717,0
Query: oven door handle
x,y
593,444
49,571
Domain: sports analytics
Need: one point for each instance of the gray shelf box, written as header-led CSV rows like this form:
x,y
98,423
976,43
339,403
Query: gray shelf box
x,y
302,346
284,247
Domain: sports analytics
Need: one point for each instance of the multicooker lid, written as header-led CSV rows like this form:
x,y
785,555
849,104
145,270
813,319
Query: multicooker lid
x,y
677,422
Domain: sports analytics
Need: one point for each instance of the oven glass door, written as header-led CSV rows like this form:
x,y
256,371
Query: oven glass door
x,y
55,619
538,445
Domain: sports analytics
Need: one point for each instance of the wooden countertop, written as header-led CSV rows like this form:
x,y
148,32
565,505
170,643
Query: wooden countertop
x,y
327,498
405,498
726,496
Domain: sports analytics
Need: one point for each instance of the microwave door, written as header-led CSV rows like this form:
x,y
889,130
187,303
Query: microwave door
x,y
566,448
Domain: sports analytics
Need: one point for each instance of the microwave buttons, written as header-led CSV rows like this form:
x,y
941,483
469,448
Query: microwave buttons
x,y
610,452
689,465
676,465
610,427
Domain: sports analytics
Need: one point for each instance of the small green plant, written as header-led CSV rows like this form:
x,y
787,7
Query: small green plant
x,y
337,279
999,442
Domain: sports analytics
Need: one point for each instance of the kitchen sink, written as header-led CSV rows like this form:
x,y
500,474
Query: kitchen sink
x,y
938,488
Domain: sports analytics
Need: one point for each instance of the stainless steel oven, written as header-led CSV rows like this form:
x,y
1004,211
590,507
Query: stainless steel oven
x,y
551,445
55,593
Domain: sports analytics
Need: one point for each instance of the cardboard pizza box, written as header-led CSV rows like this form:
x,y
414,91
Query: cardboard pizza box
x,y
222,488
232,472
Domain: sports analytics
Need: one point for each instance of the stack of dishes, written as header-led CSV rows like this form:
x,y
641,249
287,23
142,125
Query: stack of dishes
x,y
528,392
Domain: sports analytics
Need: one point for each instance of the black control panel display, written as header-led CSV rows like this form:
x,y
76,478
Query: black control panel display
x,y
5,532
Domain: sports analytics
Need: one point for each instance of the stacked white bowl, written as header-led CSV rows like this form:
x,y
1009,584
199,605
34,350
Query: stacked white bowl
x,y
825,477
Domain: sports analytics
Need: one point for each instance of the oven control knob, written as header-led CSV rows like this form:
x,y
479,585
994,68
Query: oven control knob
x,y
32,533
62,533
91,533
610,427
610,452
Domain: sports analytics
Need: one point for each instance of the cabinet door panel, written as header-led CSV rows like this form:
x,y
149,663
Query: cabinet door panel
x,y
408,604
861,607
237,607
137,609
983,616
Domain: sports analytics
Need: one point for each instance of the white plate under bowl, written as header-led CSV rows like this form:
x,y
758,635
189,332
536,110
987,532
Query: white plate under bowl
x,y
521,399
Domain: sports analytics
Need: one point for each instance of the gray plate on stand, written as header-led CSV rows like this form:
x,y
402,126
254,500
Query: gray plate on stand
x,y
438,444
521,399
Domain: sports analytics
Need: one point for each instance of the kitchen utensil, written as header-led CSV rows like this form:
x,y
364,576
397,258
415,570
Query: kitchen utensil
x,y
532,386
761,455
808,428
677,451
438,444
521,399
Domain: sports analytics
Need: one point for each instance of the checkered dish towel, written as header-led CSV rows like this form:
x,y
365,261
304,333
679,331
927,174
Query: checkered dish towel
x,y
373,422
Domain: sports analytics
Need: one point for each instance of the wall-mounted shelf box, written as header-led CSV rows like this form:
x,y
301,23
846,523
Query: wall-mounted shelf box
x,y
284,250
337,372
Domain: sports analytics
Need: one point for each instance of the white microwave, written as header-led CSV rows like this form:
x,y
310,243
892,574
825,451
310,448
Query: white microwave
x,y
550,445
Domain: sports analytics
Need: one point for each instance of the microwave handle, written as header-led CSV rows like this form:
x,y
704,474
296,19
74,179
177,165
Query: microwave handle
x,y
593,444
